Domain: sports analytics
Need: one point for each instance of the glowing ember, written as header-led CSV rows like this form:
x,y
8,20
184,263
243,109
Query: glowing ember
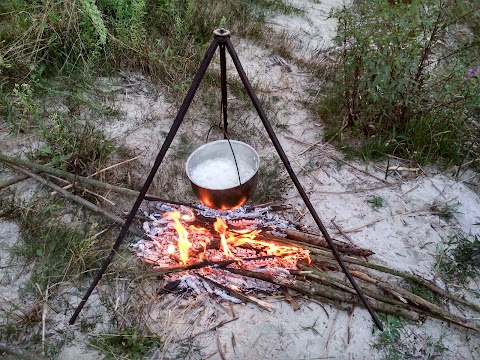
x,y
170,249
183,244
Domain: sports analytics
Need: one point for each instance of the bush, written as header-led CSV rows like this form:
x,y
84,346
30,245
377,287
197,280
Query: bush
x,y
405,80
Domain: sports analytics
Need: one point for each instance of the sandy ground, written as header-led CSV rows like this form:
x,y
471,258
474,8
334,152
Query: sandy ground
x,y
404,233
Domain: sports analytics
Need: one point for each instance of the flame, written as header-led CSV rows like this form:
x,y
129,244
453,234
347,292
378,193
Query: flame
x,y
221,227
228,237
183,244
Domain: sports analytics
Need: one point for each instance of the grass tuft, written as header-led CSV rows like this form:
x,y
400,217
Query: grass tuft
x,y
132,343
458,258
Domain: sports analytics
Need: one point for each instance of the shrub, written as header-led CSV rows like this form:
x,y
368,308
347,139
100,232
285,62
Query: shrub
x,y
404,80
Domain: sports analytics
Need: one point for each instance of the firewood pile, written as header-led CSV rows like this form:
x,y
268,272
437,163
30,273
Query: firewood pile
x,y
249,254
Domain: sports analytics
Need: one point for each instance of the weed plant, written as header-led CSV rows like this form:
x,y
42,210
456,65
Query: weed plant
x,y
376,202
131,343
406,80
165,39
77,145
397,342
458,258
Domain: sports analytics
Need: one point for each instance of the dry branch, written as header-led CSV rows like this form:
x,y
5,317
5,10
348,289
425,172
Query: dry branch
x,y
316,290
377,301
83,181
404,275
76,198
320,241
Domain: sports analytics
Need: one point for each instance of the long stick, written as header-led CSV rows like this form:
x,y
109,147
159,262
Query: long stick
x,y
316,290
75,198
401,274
83,181
326,255
320,241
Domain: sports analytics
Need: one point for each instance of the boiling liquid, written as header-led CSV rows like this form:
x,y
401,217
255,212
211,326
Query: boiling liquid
x,y
221,173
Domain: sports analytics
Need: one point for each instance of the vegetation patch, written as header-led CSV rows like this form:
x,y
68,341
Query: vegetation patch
x,y
62,250
128,344
405,81
458,258
397,342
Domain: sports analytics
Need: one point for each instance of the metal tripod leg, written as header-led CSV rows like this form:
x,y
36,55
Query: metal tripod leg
x,y
166,145
293,176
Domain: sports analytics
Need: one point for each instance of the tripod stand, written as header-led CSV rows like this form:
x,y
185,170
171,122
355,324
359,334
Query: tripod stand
x,y
221,40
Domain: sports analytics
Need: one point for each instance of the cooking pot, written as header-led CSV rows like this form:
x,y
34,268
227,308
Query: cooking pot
x,y
210,187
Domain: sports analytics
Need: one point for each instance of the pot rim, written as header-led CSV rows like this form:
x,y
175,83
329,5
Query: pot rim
x,y
200,148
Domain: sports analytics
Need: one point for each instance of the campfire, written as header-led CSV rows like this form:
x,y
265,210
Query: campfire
x,y
182,239
215,242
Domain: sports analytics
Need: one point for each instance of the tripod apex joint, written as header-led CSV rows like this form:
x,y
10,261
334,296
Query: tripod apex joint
x,y
221,32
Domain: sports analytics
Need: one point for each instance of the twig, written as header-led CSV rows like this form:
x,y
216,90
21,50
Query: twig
x,y
330,333
12,181
219,325
219,346
358,190
360,170
425,208
86,190
350,317
105,169
340,230
17,179
44,318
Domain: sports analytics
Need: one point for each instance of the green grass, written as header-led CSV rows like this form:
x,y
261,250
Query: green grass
x,y
75,143
131,343
458,258
60,251
273,180
447,211
396,342
376,202
423,292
